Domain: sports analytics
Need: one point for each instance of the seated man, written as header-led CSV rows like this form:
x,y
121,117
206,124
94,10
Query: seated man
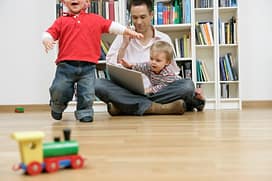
x,y
170,99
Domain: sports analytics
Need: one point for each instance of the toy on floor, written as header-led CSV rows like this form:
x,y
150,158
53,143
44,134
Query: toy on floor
x,y
37,156
19,110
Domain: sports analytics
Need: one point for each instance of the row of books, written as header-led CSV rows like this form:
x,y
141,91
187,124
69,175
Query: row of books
x,y
185,69
172,12
104,49
228,68
182,46
204,33
109,9
228,31
227,3
203,3
202,74
103,74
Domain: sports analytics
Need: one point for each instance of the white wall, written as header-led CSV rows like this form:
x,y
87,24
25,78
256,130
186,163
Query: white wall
x,y
255,23
26,71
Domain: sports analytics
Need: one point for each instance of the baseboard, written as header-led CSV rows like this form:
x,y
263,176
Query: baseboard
x,y
101,107
256,104
27,108
98,107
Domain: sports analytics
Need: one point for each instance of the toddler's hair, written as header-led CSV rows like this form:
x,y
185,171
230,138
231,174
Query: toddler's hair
x,y
163,46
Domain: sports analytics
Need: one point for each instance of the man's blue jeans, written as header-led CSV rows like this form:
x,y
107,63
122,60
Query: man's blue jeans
x,y
69,74
130,103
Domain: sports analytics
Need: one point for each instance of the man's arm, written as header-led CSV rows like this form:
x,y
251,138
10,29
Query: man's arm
x,y
118,47
113,50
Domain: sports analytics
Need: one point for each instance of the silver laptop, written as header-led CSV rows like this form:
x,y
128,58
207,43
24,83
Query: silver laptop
x,y
127,78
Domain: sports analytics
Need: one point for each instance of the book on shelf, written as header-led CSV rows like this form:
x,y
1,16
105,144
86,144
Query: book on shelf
x,y
222,70
204,33
224,90
233,66
102,54
228,67
177,47
160,9
111,10
187,11
204,70
198,34
105,47
201,70
228,71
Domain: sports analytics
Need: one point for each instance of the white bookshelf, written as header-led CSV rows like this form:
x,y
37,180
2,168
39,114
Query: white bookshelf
x,y
233,101
210,55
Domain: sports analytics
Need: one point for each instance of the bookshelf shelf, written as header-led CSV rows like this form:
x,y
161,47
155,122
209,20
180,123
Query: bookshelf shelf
x,y
204,10
205,82
183,59
204,46
173,27
227,9
228,45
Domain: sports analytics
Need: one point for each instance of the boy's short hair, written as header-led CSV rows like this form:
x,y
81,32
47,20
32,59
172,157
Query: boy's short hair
x,y
165,47
148,3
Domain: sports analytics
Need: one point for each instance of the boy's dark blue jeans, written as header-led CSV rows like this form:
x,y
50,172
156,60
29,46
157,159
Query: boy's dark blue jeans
x,y
69,74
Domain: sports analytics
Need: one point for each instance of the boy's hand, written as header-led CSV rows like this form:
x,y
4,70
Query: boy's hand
x,y
133,34
48,44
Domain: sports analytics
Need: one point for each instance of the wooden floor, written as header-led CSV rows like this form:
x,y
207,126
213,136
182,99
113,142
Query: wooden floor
x,y
207,146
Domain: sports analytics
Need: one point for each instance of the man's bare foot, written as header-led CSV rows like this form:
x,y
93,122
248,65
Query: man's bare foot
x,y
199,94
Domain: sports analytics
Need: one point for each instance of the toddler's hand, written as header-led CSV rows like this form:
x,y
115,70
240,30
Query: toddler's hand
x,y
125,63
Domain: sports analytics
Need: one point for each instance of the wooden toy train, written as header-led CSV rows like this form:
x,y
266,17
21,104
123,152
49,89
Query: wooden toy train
x,y
37,156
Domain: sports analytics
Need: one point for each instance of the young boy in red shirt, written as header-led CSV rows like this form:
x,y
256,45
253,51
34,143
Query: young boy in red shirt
x,y
79,36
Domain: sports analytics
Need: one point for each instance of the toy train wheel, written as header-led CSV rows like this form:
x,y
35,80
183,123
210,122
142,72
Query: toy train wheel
x,y
77,162
34,168
51,166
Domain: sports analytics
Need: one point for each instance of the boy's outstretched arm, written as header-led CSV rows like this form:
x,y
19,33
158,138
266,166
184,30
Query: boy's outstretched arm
x,y
133,34
117,28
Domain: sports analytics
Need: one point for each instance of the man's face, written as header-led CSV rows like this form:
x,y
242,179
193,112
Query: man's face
x,y
141,18
75,6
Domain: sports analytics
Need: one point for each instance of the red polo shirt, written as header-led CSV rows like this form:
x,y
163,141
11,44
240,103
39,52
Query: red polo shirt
x,y
79,36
